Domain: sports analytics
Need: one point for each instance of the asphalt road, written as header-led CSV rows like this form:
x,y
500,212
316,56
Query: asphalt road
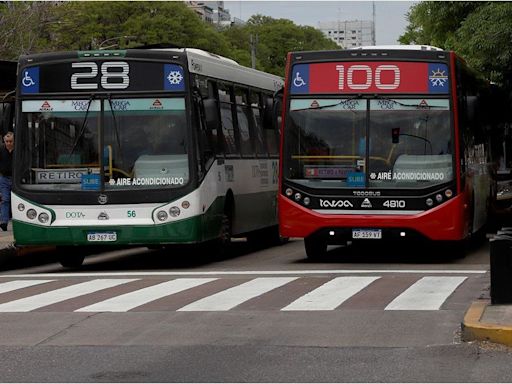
x,y
365,314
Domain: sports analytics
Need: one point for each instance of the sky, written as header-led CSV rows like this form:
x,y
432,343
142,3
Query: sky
x,y
390,15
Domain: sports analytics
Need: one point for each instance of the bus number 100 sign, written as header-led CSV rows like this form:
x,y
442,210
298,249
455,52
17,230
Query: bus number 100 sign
x,y
368,76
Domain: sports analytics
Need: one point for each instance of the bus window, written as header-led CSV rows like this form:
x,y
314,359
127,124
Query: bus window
x,y
243,116
261,150
226,115
410,139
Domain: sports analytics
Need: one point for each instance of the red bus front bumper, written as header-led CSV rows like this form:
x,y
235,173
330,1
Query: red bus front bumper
x,y
448,221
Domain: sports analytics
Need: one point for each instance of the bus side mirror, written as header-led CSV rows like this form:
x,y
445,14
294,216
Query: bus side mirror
x,y
268,113
272,113
472,108
211,114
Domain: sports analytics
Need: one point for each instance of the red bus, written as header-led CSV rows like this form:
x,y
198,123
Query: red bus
x,y
384,143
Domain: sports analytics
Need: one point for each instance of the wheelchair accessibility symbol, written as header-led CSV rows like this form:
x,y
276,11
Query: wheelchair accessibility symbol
x,y
30,80
27,80
298,81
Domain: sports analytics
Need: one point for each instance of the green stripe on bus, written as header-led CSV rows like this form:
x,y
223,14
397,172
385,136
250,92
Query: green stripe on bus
x,y
193,230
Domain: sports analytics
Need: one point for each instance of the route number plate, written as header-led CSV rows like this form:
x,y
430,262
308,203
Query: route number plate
x,y
102,236
367,234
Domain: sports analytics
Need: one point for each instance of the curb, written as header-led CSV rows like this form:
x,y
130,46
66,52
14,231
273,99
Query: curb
x,y
473,329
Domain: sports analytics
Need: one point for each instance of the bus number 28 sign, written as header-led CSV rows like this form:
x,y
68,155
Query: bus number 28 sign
x,y
114,75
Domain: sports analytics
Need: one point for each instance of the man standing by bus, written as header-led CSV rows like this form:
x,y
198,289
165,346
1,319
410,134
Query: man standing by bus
x,y
6,152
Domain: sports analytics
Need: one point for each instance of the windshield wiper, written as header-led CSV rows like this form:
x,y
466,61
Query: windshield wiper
x,y
82,128
116,129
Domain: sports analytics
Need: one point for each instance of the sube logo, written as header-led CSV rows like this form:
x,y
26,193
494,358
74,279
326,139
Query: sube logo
x,y
335,204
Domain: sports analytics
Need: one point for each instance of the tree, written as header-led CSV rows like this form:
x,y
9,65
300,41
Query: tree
x,y
479,31
86,25
31,27
276,37
22,26
485,39
435,22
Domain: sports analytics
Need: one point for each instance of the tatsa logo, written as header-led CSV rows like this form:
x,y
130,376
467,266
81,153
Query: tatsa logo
x,y
335,204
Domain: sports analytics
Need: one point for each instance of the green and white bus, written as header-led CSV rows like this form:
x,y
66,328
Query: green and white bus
x,y
142,147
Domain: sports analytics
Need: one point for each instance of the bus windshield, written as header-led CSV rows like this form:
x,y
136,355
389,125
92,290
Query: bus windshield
x,y
143,144
380,143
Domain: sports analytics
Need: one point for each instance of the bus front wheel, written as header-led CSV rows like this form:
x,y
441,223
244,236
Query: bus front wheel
x,y
70,257
316,249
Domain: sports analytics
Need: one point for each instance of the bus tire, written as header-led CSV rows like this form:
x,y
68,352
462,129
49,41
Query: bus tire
x,y
222,244
70,257
315,249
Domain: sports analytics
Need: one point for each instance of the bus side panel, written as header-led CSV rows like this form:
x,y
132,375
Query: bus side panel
x,y
254,189
445,222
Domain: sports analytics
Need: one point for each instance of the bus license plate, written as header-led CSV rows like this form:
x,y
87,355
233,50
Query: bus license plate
x,y
102,236
367,234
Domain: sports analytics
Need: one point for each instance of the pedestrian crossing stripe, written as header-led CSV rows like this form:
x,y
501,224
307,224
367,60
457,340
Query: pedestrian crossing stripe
x,y
234,296
330,295
428,293
425,294
123,303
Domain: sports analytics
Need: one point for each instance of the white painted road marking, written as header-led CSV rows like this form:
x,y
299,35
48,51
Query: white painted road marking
x,y
18,284
230,298
55,296
331,294
427,294
142,296
257,273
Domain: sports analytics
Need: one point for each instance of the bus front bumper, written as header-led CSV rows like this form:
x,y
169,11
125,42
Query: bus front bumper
x,y
445,222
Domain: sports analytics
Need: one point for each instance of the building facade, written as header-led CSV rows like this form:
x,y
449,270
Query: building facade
x,y
213,12
349,33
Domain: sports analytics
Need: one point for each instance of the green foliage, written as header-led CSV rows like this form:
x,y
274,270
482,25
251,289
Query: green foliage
x,y
481,32
89,25
435,22
31,27
276,37
485,39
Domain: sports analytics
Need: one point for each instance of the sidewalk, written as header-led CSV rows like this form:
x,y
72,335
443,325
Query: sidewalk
x,y
487,322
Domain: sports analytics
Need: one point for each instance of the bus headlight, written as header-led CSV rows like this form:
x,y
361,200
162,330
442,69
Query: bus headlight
x,y
297,196
43,217
430,202
448,193
439,197
162,215
31,214
185,204
174,211
288,192
21,207
306,200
